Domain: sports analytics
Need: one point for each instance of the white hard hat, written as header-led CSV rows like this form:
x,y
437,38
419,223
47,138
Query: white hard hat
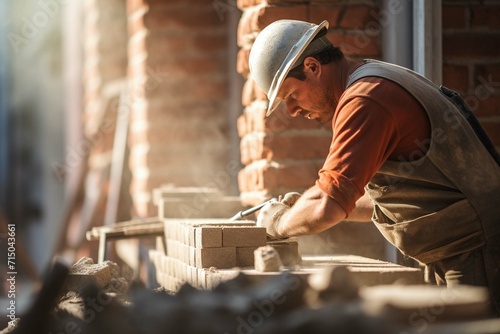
x,y
279,48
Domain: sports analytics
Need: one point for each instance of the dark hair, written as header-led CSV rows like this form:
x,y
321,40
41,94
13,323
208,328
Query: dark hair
x,y
330,54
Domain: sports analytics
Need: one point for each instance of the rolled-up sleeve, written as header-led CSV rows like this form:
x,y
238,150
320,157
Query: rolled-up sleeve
x,y
364,135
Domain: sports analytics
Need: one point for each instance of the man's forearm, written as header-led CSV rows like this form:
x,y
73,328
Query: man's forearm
x,y
314,212
363,211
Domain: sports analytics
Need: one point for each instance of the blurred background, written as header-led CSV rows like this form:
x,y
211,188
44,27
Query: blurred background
x,y
101,102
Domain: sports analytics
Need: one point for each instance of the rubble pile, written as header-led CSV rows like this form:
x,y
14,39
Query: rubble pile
x,y
285,303
328,301
203,252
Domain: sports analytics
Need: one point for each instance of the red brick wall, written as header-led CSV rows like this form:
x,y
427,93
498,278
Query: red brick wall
x,y
471,58
281,153
179,94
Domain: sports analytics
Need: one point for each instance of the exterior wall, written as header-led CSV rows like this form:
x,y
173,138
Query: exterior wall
x,y
281,153
471,58
178,81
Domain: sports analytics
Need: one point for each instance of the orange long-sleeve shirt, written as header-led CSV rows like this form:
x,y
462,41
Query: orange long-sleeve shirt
x,y
375,120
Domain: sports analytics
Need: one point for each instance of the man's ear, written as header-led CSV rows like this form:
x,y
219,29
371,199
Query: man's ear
x,y
312,66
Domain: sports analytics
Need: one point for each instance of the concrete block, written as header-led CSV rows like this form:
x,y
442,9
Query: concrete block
x,y
183,276
267,259
192,235
85,272
178,269
288,250
201,274
167,265
245,256
192,256
159,278
153,257
194,275
167,231
189,275
162,264
178,250
187,230
208,237
178,232
244,236
160,245
222,257
171,248
209,278
185,253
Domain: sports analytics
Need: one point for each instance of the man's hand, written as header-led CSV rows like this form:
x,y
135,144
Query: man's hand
x,y
270,215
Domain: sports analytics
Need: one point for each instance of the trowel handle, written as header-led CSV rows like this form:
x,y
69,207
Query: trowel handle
x,y
248,212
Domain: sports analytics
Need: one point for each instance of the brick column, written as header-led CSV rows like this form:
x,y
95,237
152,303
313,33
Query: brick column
x,y
471,62
104,74
281,153
178,85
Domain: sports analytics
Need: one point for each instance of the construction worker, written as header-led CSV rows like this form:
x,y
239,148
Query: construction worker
x,y
430,173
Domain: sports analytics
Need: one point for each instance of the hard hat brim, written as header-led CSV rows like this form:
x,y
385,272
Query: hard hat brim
x,y
293,55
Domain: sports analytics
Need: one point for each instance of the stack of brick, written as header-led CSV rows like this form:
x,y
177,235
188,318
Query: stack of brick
x,y
280,153
196,248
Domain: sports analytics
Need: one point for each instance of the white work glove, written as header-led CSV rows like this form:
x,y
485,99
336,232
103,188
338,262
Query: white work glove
x,y
270,215
290,198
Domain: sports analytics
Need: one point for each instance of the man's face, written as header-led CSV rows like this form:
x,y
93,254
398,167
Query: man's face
x,y
309,98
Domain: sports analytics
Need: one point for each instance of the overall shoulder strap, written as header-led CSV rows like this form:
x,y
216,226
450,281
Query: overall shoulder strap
x,y
376,68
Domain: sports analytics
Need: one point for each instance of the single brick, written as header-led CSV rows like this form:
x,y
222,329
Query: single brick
x,y
247,94
192,256
267,259
279,147
454,17
85,272
186,234
194,277
201,274
242,66
288,251
192,236
245,256
329,12
243,236
185,253
265,15
242,125
222,257
485,45
355,16
208,236
485,17
259,93
160,245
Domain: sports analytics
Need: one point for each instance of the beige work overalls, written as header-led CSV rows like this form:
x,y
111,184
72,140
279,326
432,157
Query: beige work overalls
x,y
445,202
